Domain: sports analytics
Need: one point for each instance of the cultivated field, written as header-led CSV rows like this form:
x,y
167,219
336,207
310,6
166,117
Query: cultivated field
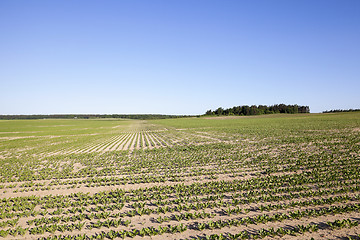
x,y
263,177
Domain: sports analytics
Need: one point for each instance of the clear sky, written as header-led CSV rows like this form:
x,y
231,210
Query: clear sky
x,y
177,57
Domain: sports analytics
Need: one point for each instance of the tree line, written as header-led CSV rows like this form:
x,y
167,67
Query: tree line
x,y
258,110
92,116
342,110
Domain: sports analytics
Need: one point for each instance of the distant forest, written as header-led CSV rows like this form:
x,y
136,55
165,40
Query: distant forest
x,y
342,110
93,116
258,110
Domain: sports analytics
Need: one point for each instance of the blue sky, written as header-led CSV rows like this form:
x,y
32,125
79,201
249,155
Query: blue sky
x,y
177,57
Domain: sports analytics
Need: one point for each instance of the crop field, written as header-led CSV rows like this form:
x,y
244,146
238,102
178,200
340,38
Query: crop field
x,y
261,177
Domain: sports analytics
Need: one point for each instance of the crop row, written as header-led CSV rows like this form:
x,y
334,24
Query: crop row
x,y
151,231
116,197
201,155
141,211
264,218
